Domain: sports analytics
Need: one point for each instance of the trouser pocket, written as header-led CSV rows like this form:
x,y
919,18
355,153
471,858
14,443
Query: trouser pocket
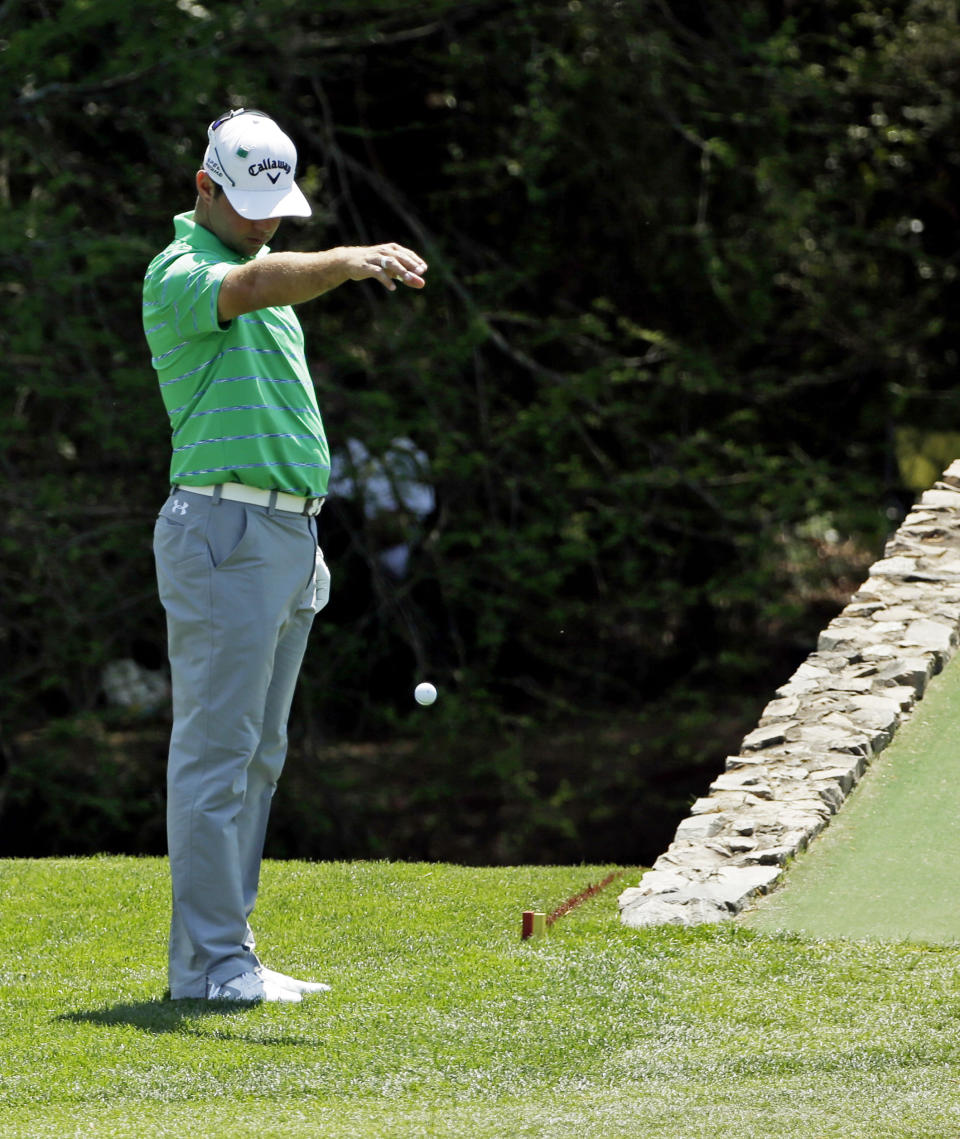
x,y
226,527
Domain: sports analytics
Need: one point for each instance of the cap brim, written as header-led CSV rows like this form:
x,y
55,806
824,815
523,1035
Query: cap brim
x,y
258,205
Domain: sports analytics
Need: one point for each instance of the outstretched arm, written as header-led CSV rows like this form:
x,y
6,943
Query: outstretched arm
x,y
291,278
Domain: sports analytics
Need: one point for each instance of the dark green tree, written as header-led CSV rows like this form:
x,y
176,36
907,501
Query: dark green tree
x,y
691,267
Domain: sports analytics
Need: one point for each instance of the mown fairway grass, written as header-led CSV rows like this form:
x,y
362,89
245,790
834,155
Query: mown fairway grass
x,y
443,1023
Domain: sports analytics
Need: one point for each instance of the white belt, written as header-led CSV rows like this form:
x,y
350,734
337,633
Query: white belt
x,y
278,499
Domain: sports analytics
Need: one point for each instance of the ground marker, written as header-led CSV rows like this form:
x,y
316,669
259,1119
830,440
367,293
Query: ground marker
x,y
533,924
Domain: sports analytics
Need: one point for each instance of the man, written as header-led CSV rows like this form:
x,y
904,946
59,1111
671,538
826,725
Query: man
x,y
239,569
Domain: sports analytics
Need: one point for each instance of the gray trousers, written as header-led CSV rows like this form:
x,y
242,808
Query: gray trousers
x,y
240,585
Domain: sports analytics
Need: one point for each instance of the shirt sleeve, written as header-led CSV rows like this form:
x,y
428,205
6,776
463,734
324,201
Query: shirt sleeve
x,y
191,289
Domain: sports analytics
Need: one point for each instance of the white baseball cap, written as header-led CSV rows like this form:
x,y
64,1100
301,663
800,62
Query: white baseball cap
x,y
254,161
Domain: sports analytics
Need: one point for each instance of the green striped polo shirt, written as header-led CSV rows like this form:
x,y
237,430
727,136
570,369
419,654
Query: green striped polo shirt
x,y
240,398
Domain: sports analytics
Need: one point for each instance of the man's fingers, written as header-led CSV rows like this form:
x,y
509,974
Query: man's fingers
x,y
401,265
412,280
411,261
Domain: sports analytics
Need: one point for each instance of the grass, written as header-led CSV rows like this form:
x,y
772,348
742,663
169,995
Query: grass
x,y
884,867
442,1023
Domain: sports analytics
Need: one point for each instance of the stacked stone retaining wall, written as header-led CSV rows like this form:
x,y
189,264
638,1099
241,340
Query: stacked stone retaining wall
x,y
816,739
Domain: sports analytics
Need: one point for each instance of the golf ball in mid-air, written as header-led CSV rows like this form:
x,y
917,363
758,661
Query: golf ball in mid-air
x,y
425,693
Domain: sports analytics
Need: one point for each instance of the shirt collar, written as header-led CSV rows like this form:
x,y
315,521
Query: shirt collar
x,y
200,238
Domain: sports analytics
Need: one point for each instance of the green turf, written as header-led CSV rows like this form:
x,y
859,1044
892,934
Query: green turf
x,y
887,865
442,1023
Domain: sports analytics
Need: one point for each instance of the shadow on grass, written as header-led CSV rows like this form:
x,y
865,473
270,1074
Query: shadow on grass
x,y
166,1016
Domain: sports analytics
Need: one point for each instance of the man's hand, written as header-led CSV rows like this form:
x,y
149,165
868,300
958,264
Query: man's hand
x,y
387,263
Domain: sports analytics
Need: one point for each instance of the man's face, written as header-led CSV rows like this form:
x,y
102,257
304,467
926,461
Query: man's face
x,y
242,235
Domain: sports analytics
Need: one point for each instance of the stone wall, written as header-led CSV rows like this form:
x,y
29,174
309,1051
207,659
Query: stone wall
x,y
816,739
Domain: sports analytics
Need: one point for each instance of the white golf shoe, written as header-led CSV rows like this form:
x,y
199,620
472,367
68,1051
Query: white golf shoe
x,y
251,987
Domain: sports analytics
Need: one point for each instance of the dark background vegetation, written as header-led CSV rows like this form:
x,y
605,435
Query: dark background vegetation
x,y
694,265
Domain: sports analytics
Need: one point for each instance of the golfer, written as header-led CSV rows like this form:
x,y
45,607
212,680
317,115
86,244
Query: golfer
x,y
239,568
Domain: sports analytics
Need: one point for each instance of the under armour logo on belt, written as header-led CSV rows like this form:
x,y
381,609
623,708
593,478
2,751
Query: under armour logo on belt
x,y
179,507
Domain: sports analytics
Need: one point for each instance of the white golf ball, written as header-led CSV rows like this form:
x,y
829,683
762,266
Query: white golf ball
x,y
425,693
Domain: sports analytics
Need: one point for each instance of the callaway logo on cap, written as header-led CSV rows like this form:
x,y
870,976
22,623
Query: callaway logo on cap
x,y
254,161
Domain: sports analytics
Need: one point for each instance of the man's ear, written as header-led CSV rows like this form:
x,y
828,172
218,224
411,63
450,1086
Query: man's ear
x,y
205,186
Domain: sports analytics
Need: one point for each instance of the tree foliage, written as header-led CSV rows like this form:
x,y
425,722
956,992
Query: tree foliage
x,y
691,266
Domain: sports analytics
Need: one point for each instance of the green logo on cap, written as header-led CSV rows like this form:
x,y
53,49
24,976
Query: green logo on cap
x,y
241,153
